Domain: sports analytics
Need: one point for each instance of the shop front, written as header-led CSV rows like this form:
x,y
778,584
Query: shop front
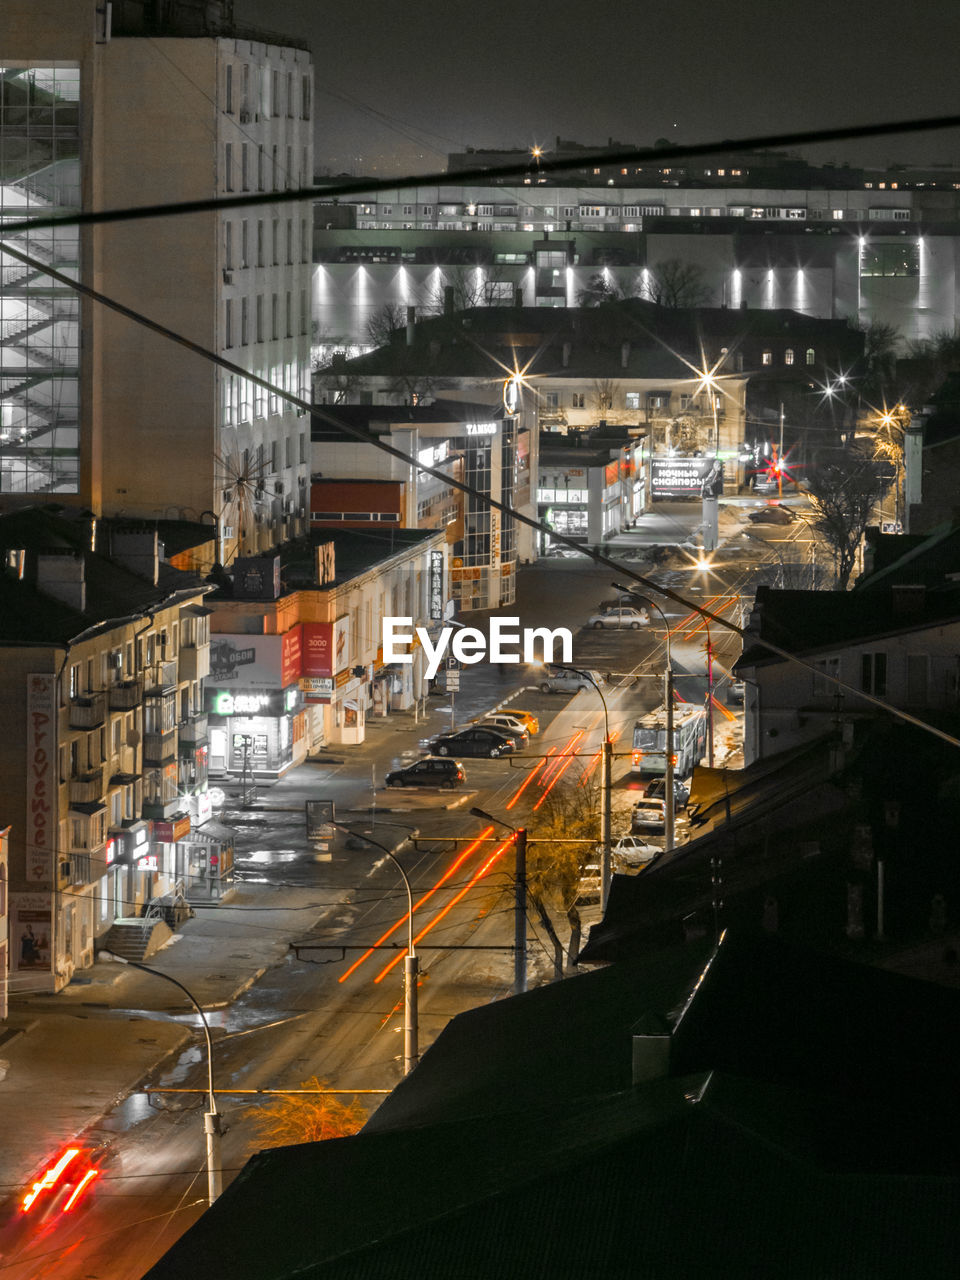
x,y
253,735
255,711
130,876
205,862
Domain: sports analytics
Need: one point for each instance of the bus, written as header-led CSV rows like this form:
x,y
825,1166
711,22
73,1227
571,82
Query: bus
x,y
650,740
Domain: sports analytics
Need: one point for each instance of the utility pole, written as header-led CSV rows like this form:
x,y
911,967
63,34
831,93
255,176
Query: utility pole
x,y
520,899
606,857
709,700
520,913
669,822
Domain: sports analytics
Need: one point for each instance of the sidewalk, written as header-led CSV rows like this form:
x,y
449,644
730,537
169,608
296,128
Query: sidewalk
x,y
72,1056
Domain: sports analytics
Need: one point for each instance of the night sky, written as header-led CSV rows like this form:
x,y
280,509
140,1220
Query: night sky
x,y
401,85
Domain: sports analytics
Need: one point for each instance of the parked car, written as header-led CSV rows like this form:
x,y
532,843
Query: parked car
x,y
772,514
633,851
473,741
649,814
627,616
428,772
657,789
568,681
527,719
590,884
507,724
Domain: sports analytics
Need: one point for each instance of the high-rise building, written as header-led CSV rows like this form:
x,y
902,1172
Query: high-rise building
x,y
107,106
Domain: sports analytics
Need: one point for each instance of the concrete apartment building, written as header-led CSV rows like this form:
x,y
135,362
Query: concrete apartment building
x,y
843,246
108,106
104,648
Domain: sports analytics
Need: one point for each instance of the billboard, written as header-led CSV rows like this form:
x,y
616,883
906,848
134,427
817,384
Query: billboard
x,y
326,648
686,477
256,662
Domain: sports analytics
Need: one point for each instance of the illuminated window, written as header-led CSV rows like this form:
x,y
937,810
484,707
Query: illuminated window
x,y
767,357
788,356
811,356
888,260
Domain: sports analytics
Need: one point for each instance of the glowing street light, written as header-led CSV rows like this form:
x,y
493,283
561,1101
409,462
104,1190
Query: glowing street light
x,y
211,1118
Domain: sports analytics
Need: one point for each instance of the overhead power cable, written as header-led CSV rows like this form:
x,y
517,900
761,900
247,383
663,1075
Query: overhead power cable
x,y
366,437
566,164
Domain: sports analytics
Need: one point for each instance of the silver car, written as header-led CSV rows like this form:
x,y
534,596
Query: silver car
x,y
627,616
556,680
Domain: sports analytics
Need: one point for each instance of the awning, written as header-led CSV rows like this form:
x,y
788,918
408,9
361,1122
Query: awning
x,y
212,832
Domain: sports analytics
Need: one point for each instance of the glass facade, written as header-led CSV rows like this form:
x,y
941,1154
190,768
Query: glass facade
x,y
39,317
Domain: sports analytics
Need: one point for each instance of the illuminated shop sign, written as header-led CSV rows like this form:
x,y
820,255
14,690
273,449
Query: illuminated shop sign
x,y
436,585
223,702
480,428
240,704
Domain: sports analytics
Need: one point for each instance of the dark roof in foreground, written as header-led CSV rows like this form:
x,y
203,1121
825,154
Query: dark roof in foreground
x,y
808,1127
113,591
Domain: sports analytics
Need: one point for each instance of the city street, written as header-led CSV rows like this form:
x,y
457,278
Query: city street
x,y
313,1013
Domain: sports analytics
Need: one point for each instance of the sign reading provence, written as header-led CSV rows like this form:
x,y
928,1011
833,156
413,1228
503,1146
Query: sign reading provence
x,y
686,477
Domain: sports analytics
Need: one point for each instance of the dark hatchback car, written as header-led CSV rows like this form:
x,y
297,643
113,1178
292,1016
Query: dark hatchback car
x,y
473,741
657,790
428,772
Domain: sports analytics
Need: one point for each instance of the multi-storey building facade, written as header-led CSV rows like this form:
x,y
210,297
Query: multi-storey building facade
x,y
95,115
103,767
882,253
298,655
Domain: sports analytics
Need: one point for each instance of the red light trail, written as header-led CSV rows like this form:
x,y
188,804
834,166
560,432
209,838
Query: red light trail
x,y
457,863
477,876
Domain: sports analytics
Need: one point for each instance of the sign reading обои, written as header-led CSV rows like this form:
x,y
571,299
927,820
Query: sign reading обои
x,y
507,643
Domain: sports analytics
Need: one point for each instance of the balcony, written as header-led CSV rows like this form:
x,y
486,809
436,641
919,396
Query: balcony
x,y
87,788
194,661
125,696
89,712
161,810
193,732
159,748
161,675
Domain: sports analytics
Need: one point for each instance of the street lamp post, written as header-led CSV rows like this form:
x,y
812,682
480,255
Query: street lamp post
x,y
669,824
211,1117
606,788
411,963
520,899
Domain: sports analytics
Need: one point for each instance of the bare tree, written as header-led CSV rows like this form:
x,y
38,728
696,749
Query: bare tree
x,y
561,844
880,345
604,395
469,287
845,487
674,283
384,323
597,291
310,1117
